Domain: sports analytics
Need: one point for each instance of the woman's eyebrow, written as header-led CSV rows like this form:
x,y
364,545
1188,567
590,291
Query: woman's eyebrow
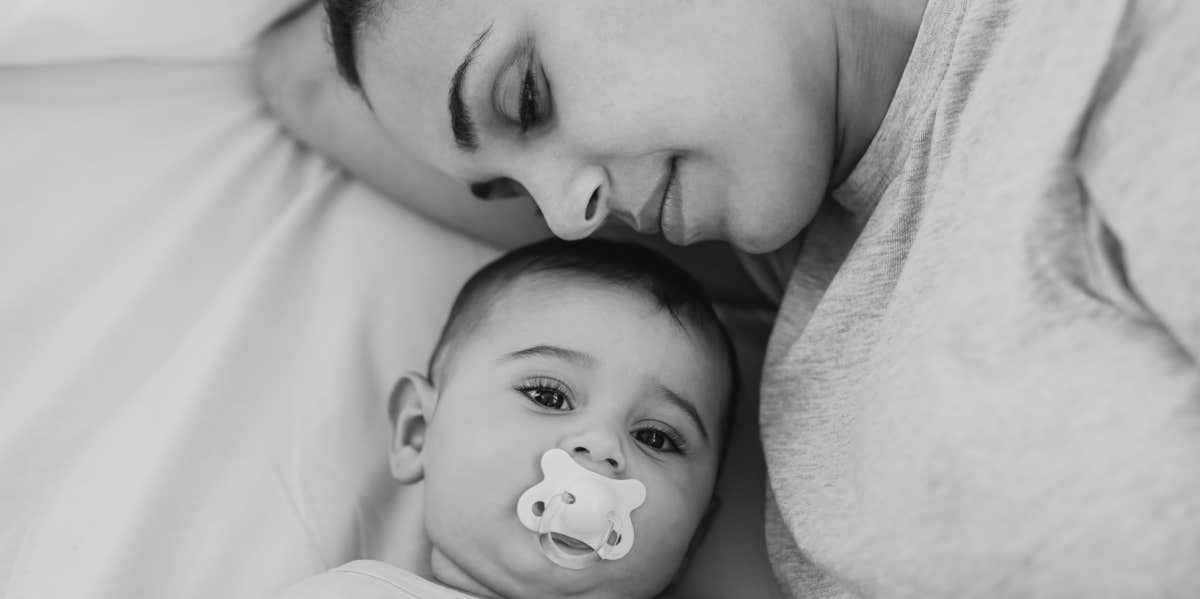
x,y
465,135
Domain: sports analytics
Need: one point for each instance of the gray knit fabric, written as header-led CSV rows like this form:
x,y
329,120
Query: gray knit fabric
x,y
983,380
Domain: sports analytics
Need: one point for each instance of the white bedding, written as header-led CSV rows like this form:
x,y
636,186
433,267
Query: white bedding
x,y
199,319
67,31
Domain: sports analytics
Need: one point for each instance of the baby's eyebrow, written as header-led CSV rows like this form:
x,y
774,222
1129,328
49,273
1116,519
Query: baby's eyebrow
x,y
551,351
587,360
686,406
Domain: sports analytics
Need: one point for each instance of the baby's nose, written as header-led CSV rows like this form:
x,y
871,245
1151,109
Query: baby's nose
x,y
601,457
583,451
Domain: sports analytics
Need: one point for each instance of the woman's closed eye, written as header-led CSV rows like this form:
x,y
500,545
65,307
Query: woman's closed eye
x,y
548,393
523,94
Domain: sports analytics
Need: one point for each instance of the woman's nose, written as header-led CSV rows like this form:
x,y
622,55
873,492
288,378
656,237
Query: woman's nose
x,y
575,207
600,452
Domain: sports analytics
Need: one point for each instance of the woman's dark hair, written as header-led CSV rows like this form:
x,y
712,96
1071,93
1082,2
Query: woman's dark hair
x,y
346,21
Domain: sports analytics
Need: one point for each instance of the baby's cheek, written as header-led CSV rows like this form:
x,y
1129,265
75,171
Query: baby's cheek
x,y
666,524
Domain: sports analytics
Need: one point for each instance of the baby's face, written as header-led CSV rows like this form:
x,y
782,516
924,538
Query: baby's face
x,y
602,373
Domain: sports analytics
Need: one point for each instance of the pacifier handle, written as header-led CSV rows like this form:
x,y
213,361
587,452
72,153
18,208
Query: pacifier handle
x,y
601,520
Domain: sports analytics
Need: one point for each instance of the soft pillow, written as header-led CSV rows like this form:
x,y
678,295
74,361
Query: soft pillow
x,y
58,31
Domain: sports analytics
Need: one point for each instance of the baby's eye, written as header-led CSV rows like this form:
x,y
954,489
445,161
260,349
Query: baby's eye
x,y
548,395
658,440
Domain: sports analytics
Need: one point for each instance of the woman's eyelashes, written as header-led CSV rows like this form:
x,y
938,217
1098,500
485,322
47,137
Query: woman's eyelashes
x,y
523,94
533,98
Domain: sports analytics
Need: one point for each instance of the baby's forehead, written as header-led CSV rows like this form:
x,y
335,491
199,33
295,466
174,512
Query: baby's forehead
x,y
530,304
534,306
578,296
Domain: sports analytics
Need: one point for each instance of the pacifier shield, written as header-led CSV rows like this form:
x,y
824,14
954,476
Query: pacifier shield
x,y
580,516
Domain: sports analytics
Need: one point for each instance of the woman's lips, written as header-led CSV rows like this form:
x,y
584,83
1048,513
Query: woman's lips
x,y
670,217
662,212
648,219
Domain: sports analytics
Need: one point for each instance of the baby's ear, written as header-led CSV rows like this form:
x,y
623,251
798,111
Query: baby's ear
x,y
412,399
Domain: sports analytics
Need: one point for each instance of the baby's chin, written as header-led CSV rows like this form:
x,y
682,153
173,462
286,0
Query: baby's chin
x,y
616,579
530,574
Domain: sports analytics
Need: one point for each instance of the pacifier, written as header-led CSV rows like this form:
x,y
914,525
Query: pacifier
x,y
580,516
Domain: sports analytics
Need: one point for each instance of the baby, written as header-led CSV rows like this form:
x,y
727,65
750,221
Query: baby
x,y
567,437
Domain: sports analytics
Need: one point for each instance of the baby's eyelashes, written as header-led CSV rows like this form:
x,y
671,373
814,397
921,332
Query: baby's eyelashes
x,y
660,440
548,393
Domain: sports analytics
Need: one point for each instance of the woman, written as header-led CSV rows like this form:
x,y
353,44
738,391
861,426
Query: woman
x,y
983,377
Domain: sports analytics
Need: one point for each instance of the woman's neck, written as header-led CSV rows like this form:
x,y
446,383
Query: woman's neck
x,y
874,39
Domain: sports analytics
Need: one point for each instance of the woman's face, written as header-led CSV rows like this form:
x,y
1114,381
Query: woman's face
x,y
699,119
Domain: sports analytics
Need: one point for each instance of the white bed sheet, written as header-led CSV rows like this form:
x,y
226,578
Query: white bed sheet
x,y
200,323
70,31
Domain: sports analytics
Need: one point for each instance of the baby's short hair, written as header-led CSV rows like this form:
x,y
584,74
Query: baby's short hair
x,y
632,266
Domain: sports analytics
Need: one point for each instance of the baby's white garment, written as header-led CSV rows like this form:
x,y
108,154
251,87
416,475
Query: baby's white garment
x,y
369,579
